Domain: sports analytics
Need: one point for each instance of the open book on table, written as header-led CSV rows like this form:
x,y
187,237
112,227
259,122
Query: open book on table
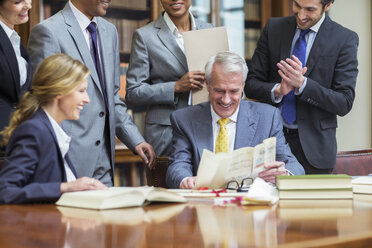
x,y
118,197
215,170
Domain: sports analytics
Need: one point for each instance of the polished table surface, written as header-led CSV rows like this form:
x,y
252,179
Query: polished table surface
x,y
341,223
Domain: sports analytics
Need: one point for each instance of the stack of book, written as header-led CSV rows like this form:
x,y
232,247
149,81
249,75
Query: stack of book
x,y
315,187
362,185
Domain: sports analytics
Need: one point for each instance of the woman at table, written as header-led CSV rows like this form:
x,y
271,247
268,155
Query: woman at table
x,y
36,166
15,70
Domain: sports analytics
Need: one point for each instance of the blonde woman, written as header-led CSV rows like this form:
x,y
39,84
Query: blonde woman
x,y
37,167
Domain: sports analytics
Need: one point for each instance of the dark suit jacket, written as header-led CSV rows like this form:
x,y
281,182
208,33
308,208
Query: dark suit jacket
x,y
33,168
332,71
192,132
10,89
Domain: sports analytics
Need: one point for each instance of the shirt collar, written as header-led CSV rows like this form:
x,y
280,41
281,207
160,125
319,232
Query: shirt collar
x,y
315,28
7,29
62,138
173,27
82,19
216,117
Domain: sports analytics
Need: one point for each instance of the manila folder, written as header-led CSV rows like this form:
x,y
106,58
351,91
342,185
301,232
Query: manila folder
x,y
200,45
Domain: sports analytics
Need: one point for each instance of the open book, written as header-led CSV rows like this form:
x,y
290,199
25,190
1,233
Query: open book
x,y
117,197
215,170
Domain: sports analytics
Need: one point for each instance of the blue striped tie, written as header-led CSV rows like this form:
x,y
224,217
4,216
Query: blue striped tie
x,y
289,102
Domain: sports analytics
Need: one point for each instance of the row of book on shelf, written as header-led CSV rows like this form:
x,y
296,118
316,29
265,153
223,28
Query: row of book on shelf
x,y
130,4
126,28
252,9
251,37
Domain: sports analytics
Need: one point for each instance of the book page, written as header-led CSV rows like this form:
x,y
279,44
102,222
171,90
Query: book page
x,y
200,45
270,149
215,170
258,160
240,164
211,170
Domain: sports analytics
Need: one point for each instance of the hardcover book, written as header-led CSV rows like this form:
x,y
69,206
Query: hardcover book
x,y
362,185
118,197
314,187
325,181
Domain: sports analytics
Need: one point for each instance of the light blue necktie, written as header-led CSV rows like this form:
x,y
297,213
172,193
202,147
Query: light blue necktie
x,y
289,101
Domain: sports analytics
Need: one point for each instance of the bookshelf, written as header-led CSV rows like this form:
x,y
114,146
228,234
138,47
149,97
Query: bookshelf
x,y
126,15
243,19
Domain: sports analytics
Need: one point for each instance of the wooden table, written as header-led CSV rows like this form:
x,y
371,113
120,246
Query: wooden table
x,y
194,224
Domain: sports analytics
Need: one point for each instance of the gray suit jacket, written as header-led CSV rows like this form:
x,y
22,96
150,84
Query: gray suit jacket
x,y
192,132
332,71
61,33
156,63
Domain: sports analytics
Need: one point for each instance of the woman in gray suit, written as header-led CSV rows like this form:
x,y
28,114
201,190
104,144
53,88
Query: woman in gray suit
x,y
14,66
158,75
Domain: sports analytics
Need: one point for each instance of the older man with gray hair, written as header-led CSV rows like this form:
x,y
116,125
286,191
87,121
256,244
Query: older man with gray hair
x,y
245,123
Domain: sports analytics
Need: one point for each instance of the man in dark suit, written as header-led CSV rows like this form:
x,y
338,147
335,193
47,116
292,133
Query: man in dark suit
x,y
321,86
249,123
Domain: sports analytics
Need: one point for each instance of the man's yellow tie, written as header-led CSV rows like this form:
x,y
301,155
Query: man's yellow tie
x,y
222,142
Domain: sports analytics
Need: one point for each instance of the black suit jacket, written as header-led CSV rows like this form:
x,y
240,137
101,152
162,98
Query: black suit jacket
x,y
332,71
33,168
10,90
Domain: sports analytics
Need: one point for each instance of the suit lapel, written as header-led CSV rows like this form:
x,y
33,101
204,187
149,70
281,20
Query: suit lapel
x,y
204,136
246,126
11,58
169,42
79,40
320,42
287,37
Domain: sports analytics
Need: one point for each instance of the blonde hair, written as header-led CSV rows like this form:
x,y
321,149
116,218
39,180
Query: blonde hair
x,y
57,75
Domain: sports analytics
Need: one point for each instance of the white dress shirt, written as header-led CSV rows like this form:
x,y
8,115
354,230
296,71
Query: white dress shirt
x,y
16,43
230,127
63,143
179,38
84,22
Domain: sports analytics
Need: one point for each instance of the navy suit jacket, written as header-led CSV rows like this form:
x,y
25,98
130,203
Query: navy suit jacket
x,y
10,89
332,69
33,168
192,132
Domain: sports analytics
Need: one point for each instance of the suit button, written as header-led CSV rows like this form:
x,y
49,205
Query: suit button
x,y
98,142
101,114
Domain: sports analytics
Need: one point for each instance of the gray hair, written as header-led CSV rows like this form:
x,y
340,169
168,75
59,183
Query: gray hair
x,y
230,61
